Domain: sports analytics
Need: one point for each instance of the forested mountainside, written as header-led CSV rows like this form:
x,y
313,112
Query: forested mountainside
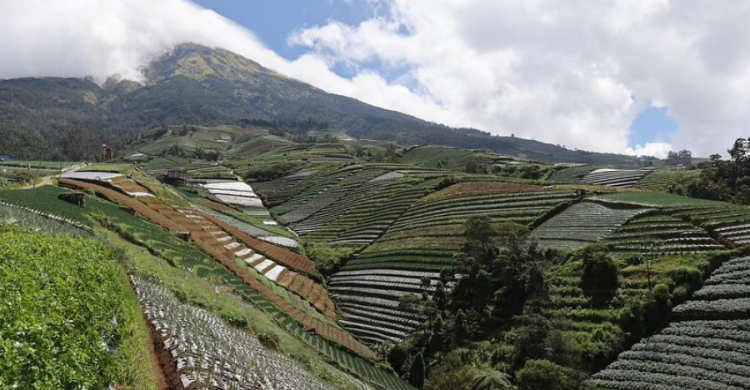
x,y
53,118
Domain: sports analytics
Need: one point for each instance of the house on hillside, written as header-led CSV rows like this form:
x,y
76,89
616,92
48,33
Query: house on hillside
x,y
6,157
177,178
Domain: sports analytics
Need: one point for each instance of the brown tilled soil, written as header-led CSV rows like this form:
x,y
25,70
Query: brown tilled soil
x,y
156,364
480,188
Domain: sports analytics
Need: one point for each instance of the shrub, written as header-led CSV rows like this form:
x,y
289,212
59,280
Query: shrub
x,y
599,280
271,172
494,380
543,374
328,260
634,259
445,183
453,373
270,340
691,278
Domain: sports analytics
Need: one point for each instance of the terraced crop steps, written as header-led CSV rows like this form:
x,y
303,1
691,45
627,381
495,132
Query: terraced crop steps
x,y
661,234
706,347
201,352
582,224
418,245
615,177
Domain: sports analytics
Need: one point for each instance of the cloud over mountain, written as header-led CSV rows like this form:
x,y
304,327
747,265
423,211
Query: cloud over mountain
x,y
575,73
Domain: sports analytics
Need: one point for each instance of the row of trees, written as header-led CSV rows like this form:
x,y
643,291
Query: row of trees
x,y
725,180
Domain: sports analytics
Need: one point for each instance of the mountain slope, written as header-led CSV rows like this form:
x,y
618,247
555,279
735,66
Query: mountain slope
x,y
197,85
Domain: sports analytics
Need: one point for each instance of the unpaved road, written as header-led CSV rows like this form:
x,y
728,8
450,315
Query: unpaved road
x,y
47,180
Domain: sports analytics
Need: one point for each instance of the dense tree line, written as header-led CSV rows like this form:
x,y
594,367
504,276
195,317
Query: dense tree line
x,y
725,180
492,329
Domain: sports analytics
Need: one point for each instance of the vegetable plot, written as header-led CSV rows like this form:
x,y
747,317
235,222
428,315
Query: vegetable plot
x,y
582,224
62,321
706,347
204,352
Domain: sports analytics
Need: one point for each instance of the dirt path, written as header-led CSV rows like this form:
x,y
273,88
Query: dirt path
x,y
47,180
161,379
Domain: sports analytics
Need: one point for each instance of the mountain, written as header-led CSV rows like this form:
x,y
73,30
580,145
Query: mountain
x,y
54,118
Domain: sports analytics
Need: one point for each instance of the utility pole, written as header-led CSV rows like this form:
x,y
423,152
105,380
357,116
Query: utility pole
x,y
36,174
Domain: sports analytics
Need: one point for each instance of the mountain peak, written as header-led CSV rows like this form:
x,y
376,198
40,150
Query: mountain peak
x,y
199,62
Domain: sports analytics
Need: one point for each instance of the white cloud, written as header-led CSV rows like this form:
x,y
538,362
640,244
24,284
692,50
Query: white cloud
x,y
569,72
565,71
655,149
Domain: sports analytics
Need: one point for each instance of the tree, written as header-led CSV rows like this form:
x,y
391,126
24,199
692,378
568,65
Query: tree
x,y
416,372
397,357
390,153
479,235
493,380
683,157
739,150
461,329
599,280
474,167
454,372
543,374
529,339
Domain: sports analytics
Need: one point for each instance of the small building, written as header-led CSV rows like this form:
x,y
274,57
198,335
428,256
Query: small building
x,y
177,178
6,157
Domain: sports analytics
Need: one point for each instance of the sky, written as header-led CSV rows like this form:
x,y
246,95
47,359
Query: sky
x,y
623,76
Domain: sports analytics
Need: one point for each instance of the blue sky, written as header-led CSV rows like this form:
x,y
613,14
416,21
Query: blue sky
x,y
274,20
653,125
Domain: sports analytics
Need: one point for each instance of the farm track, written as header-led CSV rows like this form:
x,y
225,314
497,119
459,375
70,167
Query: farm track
x,y
324,330
161,362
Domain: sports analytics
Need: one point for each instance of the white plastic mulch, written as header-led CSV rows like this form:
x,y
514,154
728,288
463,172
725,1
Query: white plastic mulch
x,y
270,223
275,272
240,200
139,194
254,258
229,185
223,191
283,241
387,176
243,253
95,176
264,265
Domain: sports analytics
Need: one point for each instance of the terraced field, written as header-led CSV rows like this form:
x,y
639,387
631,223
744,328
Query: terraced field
x,y
520,207
287,308
662,179
615,177
705,347
661,234
363,214
582,224
280,190
417,246
204,352
323,195
571,175
728,224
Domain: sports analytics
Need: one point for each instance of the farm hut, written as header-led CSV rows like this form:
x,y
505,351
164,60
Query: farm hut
x,y
6,157
178,178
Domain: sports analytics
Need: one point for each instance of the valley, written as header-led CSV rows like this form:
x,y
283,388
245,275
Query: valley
x,y
361,265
